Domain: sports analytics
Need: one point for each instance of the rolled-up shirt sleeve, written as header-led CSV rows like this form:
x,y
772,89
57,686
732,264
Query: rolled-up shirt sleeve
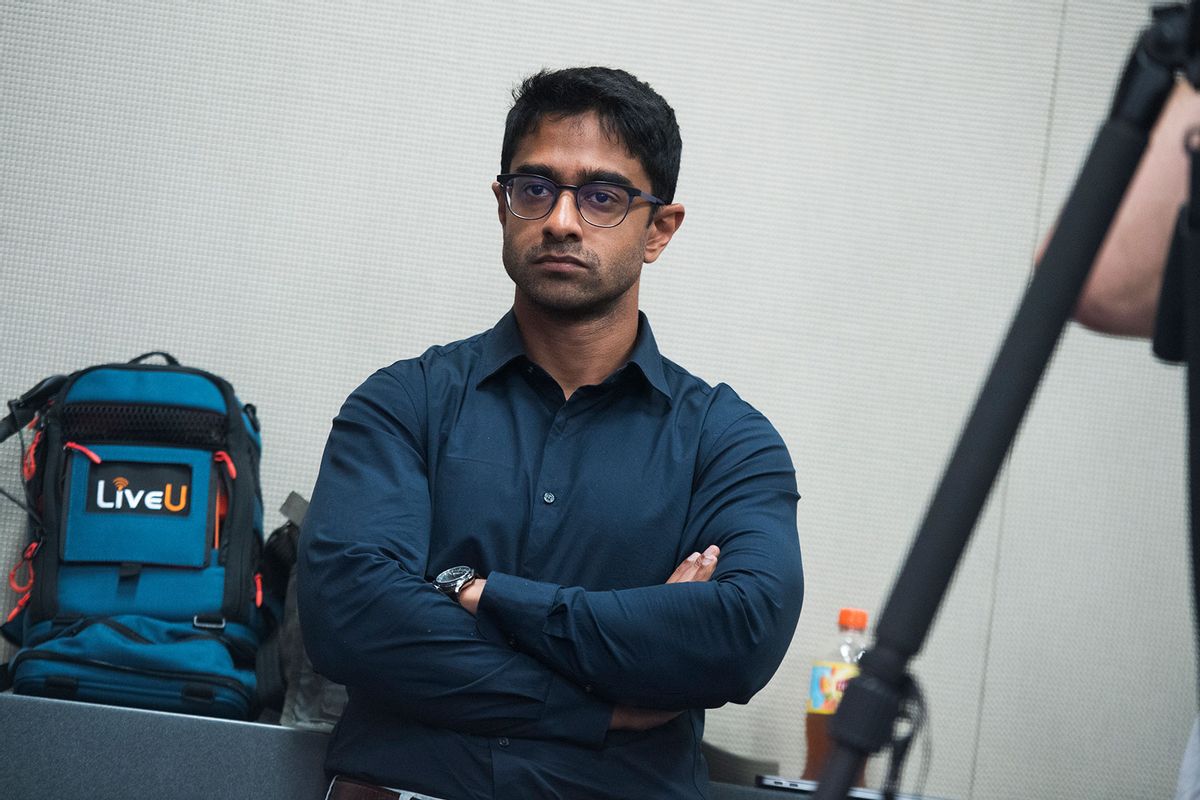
x,y
372,621
683,645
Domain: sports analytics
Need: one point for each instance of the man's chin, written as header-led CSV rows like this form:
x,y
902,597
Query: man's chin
x,y
568,308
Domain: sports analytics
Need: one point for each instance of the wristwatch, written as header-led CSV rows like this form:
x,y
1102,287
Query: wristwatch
x,y
452,581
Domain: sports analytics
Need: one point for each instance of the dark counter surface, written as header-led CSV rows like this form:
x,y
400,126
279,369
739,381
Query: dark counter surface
x,y
61,749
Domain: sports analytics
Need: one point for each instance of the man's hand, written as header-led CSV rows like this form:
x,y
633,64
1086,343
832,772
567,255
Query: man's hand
x,y
468,598
627,718
697,567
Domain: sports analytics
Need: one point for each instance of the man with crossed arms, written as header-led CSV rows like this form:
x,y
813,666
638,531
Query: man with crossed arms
x,y
535,556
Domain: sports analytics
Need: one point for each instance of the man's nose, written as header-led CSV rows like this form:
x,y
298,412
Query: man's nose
x,y
563,221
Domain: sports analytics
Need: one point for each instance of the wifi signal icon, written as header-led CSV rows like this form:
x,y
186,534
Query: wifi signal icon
x,y
120,483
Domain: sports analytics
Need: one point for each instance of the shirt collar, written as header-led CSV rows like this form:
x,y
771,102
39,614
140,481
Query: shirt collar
x,y
646,357
502,345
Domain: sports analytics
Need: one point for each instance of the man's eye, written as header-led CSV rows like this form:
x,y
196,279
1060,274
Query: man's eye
x,y
600,197
535,189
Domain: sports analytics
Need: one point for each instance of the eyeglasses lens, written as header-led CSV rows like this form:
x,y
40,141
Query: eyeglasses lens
x,y
601,204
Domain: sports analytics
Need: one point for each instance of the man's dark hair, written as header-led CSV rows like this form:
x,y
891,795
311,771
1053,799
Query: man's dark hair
x,y
627,108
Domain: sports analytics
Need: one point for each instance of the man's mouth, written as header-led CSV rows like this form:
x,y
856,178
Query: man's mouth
x,y
560,259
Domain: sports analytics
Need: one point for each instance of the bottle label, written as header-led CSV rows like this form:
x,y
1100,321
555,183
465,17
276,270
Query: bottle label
x,y
829,680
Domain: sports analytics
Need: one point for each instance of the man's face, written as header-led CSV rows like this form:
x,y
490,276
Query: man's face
x,y
566,267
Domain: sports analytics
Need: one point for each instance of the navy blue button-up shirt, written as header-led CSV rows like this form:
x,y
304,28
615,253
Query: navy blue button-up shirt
x,y
576,511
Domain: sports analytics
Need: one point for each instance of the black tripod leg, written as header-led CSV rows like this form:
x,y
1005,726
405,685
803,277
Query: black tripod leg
x,y
1188,269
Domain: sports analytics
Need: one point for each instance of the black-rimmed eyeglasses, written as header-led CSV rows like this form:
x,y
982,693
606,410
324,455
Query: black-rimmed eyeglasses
x,y
600,203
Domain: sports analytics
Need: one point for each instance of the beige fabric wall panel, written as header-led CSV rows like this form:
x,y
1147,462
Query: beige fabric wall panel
x,y
293,195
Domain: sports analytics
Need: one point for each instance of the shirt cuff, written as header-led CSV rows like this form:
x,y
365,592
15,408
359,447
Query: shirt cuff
x,y
518,606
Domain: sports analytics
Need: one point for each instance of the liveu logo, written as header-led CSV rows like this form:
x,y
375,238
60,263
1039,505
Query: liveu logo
x,y
171,498
139,488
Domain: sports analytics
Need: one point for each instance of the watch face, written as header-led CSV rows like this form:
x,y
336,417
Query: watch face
x,y
453,574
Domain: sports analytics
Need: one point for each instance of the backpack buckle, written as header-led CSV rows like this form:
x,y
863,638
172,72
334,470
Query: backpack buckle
x,y
209,622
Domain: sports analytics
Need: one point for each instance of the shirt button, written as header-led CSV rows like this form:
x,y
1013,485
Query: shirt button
x,y
548,498
504,741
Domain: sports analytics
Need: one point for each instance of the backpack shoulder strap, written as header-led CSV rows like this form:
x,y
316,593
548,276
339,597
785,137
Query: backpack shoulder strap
x,y
24,408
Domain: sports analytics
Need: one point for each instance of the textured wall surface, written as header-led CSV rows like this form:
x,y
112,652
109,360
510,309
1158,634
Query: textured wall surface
x,y
293,195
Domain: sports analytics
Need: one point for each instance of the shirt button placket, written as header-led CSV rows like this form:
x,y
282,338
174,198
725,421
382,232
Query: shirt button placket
x,y
549,494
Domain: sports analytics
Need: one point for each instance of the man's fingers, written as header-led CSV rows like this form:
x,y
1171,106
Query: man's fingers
x,y
708,563
686,571
697,566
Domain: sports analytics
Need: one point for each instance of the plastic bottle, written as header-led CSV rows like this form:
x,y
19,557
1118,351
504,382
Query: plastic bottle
x,y
829,677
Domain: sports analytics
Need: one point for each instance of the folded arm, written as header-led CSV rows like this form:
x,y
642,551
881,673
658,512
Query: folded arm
x,y
686,644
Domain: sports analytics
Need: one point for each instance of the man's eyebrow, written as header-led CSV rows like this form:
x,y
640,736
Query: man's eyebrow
x,y
537,169
588,176
607,176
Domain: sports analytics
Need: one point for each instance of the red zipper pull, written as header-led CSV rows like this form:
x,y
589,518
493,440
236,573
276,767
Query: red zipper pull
x,y
27,562
95,459
29,465
258,592
224,458
21,603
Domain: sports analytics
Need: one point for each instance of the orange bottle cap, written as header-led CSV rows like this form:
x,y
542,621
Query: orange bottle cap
x,y
854,618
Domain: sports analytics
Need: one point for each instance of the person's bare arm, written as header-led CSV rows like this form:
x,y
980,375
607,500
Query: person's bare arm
x,y
1121,294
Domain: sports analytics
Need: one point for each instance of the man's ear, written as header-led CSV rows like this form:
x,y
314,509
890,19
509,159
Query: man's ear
x,y
501,205
666,221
